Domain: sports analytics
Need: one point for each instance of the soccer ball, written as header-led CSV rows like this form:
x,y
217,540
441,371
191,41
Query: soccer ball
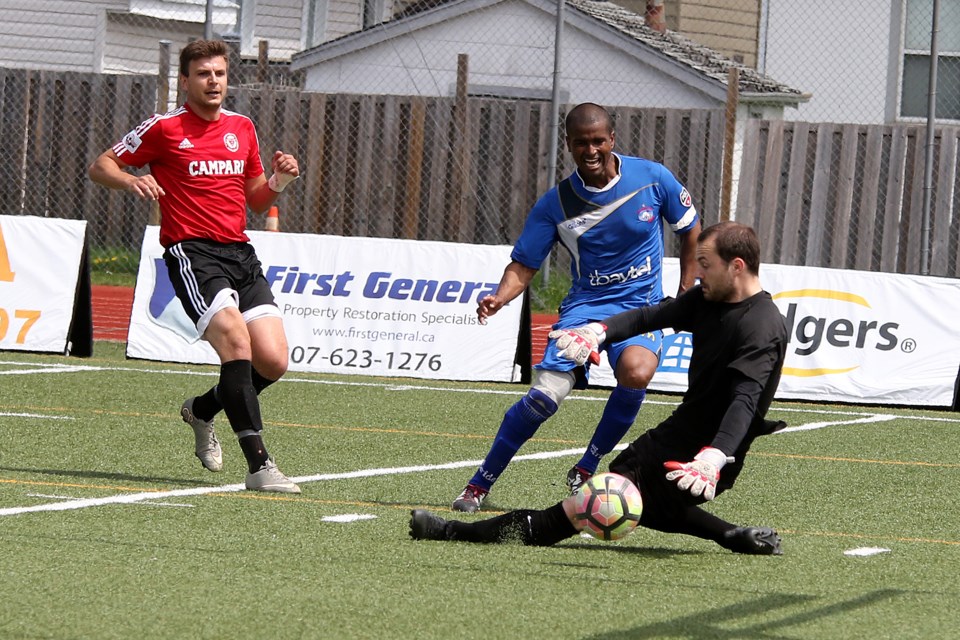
x,y
608,506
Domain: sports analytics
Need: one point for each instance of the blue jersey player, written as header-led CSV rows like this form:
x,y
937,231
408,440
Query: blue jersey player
x,y
609,214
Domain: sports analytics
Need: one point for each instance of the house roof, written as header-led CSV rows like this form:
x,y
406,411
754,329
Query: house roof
x,y
670,52
686,51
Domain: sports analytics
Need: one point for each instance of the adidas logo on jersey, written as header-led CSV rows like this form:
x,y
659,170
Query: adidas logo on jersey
x,y
185,144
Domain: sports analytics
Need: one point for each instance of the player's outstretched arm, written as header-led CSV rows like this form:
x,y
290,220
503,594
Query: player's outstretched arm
x,y
516,278
109,171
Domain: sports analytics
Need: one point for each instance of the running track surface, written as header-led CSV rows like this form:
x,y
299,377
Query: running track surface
x,y
111,317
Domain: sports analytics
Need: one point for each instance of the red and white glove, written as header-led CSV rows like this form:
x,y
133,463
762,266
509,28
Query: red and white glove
x,y
580,343
701,475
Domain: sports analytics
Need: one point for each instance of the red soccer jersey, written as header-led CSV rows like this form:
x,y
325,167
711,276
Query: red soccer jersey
x,y
202,167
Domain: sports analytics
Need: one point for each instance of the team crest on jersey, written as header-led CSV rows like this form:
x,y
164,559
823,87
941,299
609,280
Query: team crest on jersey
x,y
132,142
230,142
685,198
645,213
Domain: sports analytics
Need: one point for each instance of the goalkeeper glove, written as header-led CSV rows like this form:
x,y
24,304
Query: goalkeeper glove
x,y
701,475
580,343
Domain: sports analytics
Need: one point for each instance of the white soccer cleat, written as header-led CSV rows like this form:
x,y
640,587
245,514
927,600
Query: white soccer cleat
x,y
270,478
205,438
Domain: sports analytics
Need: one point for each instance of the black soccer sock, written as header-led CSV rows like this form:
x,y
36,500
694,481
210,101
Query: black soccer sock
x,y
254,451
243,410
208,405
527,526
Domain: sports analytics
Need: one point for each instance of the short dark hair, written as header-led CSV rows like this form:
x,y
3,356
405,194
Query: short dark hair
x,y
202,49
587,113
734,240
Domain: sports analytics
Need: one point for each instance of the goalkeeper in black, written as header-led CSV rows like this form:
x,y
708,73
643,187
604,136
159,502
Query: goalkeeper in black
x,y
739,344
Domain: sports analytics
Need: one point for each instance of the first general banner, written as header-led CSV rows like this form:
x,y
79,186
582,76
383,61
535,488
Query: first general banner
x,y
40,269
353,305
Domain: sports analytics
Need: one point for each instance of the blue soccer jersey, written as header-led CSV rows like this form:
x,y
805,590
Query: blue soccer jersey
x,y
614,236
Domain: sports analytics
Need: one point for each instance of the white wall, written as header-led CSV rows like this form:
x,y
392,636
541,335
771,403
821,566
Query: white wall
x,y
837,50
424,62
51,34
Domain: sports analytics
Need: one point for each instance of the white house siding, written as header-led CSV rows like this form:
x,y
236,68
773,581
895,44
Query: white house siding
x,y
280,23
835,50
132,47
509,45
727,26
343,17
51,34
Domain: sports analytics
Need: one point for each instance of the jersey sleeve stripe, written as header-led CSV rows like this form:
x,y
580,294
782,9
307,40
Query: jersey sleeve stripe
x,y
686,221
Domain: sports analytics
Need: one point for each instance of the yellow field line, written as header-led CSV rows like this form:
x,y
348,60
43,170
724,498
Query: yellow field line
x,y
76,486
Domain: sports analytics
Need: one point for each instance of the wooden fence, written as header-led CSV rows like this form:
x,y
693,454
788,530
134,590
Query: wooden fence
x,y
843,196
422,168
52,126
850,196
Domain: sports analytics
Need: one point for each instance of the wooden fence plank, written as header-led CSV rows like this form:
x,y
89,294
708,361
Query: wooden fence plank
x,y
747,182
911,222
890,240
940,209
770,192
818,228
414,166
311,163
361,182
795,210
842,214
383,202
866,221
434,221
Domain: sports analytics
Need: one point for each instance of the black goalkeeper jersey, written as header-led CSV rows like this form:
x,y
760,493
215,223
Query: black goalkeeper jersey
x,y
747,338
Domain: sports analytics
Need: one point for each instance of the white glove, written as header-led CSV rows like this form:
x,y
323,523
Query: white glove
x,y
279,181
580,343
701,475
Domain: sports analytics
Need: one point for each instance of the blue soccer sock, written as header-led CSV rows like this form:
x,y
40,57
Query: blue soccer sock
x,y
519,424
620,412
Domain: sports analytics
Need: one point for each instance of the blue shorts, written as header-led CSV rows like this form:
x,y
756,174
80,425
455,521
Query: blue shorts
x,y
652,342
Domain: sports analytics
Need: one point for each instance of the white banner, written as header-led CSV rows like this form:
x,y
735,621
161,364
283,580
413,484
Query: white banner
x,y
39,270
353,305
855,336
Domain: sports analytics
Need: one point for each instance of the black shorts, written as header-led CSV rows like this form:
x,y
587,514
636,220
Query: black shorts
x,y
663,502
204,273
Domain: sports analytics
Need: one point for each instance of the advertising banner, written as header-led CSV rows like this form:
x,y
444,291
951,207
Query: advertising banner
x,y
854,336
368,306
40,262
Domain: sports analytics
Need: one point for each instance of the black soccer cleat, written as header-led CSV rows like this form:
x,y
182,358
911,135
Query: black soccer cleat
x,y
427,526
576,478
760,541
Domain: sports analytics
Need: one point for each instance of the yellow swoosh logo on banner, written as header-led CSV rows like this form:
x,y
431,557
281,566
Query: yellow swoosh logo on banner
x,y
809,373
824,293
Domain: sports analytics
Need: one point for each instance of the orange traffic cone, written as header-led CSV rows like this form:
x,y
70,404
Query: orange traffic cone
x,y
273,219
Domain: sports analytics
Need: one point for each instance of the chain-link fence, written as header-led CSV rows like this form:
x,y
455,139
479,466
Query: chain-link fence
x,y
439,119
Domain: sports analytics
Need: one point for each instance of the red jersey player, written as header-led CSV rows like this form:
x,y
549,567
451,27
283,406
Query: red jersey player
x,y
205,171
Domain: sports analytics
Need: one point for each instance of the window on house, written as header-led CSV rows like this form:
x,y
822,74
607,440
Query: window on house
x,y
915,85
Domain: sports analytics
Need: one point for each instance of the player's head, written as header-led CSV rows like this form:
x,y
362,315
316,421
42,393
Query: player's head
x,y
203,73
590,140
728,255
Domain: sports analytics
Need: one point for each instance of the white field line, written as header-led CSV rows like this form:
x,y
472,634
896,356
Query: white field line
x,y
132,498
878,417
151,496
865,417
4,414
